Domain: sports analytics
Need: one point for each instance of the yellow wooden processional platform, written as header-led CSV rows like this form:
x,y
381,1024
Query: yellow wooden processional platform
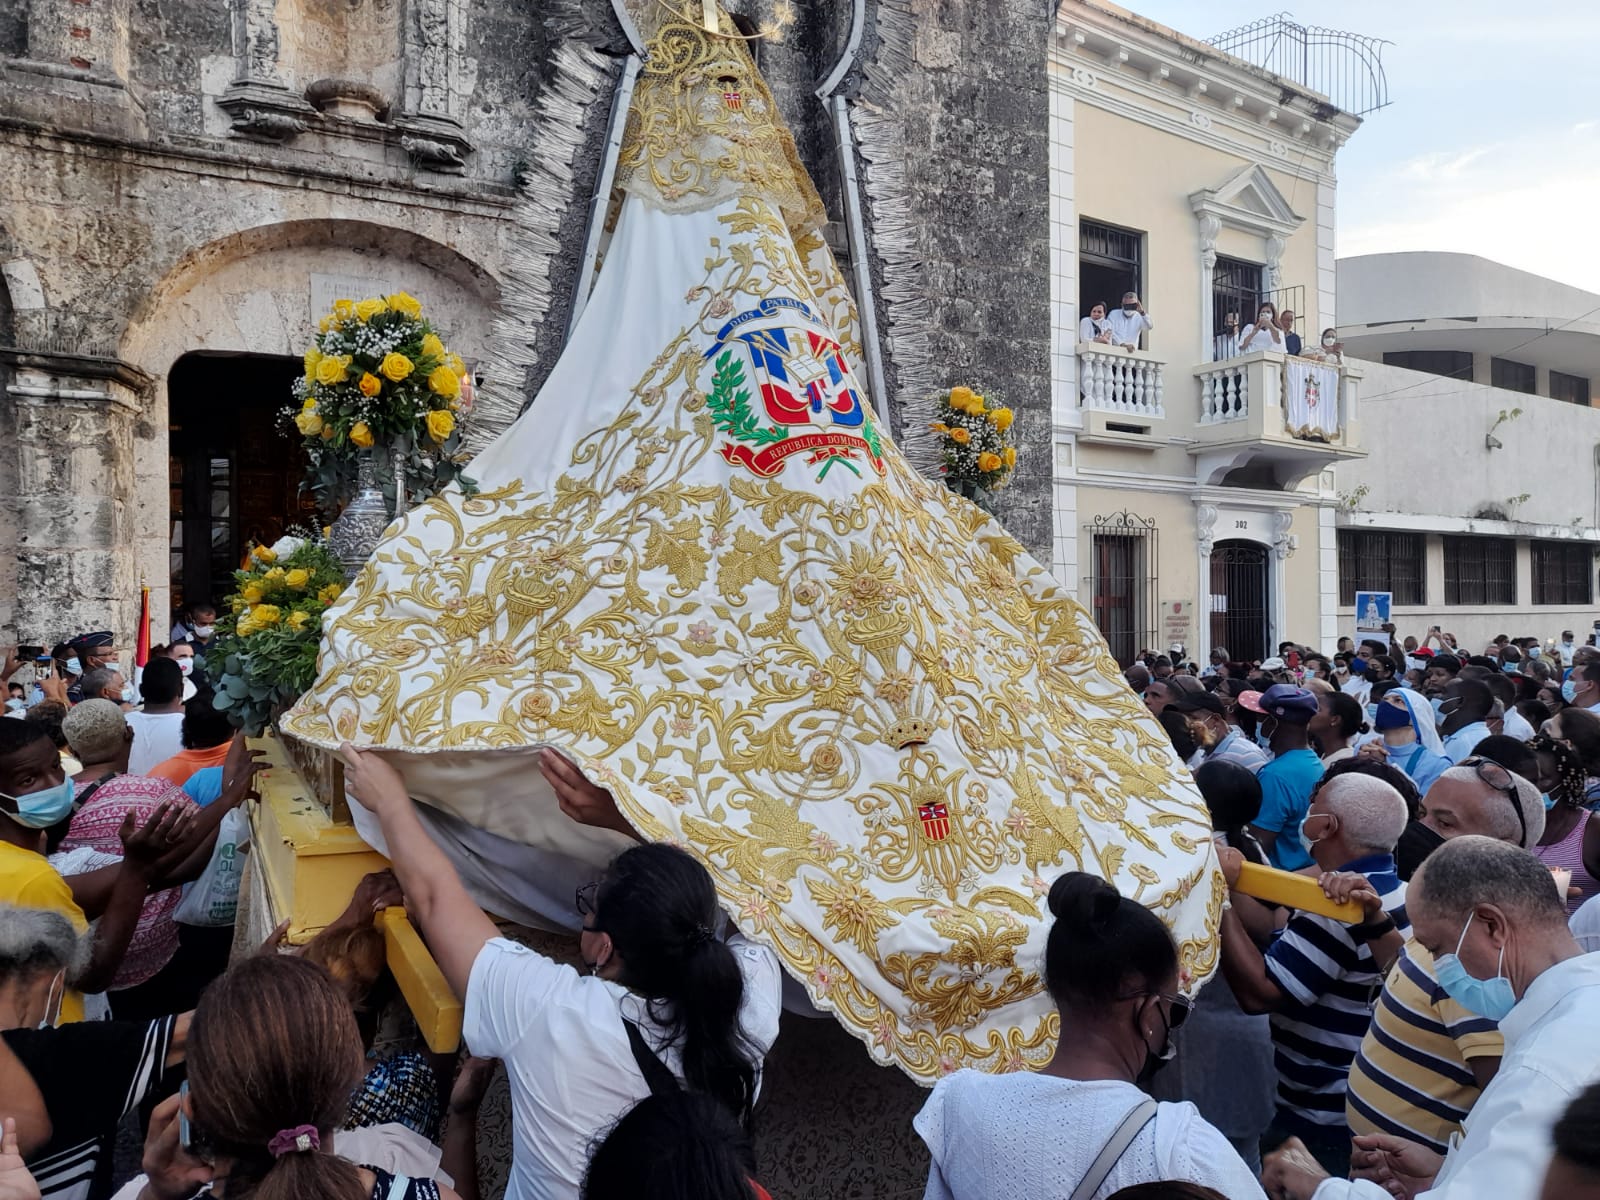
x,y
307,861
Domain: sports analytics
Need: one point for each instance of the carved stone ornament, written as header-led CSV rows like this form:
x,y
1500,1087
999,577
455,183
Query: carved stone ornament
x,y
1205,526
266,125
1284,543
438,155
352,99
265,112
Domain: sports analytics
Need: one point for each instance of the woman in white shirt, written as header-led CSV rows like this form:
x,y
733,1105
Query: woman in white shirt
x,y
1264,334
666,1001
1081,1128
1095,327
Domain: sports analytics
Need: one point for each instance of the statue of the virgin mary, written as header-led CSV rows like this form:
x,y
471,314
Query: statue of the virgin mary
x,y
698,567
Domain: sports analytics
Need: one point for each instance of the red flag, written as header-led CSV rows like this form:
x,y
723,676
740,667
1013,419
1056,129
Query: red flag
x,y
141,647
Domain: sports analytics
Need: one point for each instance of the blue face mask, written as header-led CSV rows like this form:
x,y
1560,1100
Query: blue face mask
x,y
1372,713
1511,668
1492,998
1569,692
1549,800
1390,716
40,810
1437,705
1308,842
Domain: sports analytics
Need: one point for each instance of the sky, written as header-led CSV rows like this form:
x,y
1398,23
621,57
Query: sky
x,y
1491,142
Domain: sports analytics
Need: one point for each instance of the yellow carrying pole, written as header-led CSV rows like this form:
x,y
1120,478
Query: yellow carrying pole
x,y
1295,891
437,1010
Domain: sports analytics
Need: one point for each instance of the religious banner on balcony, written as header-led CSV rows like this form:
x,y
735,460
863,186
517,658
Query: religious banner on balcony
x,y
1311,400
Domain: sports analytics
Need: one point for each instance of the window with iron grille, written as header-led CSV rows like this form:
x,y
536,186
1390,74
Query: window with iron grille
x,y
1122,584
1376,560
1480,570
1513,376
1453,364
1563,573
1113,246
1574,389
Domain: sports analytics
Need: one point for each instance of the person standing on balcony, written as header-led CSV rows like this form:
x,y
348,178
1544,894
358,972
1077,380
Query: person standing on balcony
x,y
1129,322
1095,327
1291,339
1330,352
1264,334
1226,344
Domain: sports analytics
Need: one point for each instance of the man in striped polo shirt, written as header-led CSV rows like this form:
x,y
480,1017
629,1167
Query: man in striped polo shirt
x,y
1425,1058
1318,976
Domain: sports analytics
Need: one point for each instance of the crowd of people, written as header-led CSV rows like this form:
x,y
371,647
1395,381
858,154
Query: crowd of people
x,y
1443,1044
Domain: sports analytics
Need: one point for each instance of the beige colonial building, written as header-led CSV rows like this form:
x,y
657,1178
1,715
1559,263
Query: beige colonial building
x,y
1193,492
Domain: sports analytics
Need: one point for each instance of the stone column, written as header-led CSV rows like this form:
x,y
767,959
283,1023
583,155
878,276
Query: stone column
x,y
1205,536
1210,230
258,102
75,425
435,48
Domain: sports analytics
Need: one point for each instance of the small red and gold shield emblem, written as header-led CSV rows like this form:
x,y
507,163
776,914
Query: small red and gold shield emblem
x,y
734,99
935,821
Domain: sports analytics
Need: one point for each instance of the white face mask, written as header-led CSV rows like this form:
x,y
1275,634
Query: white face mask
x,y
49,1021
204,631
129,696
185,667
1330,341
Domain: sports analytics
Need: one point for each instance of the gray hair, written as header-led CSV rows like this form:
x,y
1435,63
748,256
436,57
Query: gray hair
x,y
1471,870
34,940
96,682
1371,813
96,730
1502,817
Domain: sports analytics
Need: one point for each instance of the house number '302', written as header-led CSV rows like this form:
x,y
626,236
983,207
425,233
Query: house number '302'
x,y
1241,524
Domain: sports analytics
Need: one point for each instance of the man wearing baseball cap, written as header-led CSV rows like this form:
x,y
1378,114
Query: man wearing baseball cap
x,y
1217,739
1287,781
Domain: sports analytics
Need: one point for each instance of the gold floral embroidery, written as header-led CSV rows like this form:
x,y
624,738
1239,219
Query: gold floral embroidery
x,y
880,724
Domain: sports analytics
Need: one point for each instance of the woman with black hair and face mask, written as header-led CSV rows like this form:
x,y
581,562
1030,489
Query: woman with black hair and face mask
x,y
664,1001
1081,1127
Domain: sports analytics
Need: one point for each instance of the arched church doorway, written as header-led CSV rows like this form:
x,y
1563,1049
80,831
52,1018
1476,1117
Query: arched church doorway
x,y
234,476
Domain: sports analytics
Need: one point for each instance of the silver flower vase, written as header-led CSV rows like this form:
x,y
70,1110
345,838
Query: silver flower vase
x,y
354,536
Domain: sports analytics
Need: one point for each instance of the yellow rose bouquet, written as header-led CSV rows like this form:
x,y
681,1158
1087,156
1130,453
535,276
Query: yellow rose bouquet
x,y
979,453
266,650
379,378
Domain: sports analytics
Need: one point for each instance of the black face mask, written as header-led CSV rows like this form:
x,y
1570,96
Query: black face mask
x,y
1154,1060
1128,308
1416,843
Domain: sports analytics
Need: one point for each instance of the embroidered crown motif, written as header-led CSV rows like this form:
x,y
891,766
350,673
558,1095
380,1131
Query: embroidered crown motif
x,y
909,731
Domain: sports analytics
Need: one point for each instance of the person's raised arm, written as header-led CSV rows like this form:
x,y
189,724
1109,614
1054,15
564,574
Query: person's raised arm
x,y
190,858
142,849
455,927
1242,961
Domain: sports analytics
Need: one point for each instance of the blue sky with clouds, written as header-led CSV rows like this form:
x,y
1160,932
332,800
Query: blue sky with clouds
x,y
1491,142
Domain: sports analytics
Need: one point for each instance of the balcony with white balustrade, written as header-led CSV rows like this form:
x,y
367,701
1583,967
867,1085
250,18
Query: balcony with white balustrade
x,y
1269,413
1121,395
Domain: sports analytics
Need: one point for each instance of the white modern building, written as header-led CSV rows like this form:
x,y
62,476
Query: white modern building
x,y
1479,500
1194,496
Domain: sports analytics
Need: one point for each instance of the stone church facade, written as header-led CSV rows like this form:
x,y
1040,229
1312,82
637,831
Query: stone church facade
x,y
184,185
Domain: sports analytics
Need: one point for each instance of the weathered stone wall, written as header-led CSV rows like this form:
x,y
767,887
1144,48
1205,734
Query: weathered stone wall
x,y
957,179
150,147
